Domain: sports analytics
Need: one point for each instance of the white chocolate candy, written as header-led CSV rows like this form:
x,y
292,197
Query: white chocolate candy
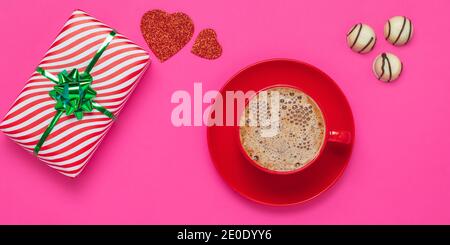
x,y
387,67
398,30
361,38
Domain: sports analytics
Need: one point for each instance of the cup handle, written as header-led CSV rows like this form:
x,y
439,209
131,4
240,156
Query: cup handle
x,y
343,137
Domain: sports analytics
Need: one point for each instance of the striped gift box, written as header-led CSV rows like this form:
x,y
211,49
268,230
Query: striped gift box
x,y
72,142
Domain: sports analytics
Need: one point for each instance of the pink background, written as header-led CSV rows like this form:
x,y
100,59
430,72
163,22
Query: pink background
x,y
148,172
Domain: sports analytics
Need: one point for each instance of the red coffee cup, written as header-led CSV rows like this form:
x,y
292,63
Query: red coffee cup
x,y
331,136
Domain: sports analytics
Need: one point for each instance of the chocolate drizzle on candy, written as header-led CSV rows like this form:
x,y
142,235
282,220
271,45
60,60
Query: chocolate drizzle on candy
x,y
389,30
409,32
383,55
357,35
398,30
353,28
361,38
367,45
387,67
385,60
401,30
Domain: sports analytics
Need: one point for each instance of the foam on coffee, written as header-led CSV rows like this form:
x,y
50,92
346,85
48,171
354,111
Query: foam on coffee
x,y
301,130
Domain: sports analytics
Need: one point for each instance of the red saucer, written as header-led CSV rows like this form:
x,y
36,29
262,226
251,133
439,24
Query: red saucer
x,y
295,188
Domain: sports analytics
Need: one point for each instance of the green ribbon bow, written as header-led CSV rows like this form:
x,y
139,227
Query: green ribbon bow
x,y
73,92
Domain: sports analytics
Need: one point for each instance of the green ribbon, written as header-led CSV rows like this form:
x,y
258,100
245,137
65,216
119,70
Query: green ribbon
x,y
73,92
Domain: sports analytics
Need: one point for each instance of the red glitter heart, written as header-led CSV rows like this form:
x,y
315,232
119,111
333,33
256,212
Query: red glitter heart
x,y
206,45
165,33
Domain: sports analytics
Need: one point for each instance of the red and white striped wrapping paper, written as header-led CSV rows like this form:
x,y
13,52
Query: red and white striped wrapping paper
x,y
72,142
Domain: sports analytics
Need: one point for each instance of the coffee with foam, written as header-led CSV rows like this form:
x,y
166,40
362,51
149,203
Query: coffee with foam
x,y
300,129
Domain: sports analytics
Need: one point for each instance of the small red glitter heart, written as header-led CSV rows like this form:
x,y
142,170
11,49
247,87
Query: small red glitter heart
x,y
165,33
206,45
